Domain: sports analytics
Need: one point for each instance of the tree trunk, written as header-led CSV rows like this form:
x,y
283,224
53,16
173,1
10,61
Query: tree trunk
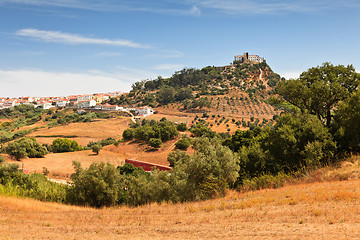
x,y
328,118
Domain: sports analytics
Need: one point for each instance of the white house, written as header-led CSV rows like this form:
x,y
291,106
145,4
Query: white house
x,y
144,111
9,103
62,103
86,97
44,104
108,107
87,104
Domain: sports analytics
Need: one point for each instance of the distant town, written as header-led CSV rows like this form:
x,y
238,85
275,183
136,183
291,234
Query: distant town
x,y
96,101
80,102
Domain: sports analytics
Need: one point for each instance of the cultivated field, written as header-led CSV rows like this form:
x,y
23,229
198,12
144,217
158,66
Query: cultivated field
x,y
327,210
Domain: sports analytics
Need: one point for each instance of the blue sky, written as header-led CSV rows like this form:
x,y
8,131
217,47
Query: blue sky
x,y
63,47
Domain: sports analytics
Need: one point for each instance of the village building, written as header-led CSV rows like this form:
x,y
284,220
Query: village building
x,y
62,103
10,103
86,97
86,104
144,111
44,104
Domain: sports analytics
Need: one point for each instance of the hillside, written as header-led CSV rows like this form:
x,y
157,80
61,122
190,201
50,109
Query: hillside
x,y
238,91
326,210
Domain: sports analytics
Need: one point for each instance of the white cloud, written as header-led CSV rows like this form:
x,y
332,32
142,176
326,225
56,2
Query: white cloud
x,y
290,75
169,67
108,54
42,83
68,38
111,6
274,6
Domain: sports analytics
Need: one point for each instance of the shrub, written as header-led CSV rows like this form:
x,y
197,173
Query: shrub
x,y
96,148
97,186
128,134
183,143
25,147
155,142
181,127
37,186
177,157
200,130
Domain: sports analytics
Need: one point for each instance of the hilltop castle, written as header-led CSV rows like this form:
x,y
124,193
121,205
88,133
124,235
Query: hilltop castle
x,y
246,58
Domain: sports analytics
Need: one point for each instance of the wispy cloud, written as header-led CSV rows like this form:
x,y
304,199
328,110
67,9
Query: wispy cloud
x,y
108,54
160,7
68,38
273,6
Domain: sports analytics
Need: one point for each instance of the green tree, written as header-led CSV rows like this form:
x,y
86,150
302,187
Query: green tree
x,y
128,134
320,89
205,174
296,141
200,130
155,142
97,186
347,121
60,145
183,143
96,148
25,147
183,93
177,157
181,127
166,94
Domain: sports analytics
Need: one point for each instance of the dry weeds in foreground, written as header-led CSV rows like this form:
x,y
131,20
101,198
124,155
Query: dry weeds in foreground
x,y
327,210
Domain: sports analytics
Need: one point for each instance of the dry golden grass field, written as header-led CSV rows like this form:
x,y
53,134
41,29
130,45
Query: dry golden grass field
x,y
85,132
60,165
326,210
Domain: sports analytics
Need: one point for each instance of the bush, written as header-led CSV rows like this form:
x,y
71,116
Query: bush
x,y
200,130
25,147
155,142
60,145
128,134
205,174
97,186
163,130
2,159
177,157
181,127
183,143
96,148
102,143
16,183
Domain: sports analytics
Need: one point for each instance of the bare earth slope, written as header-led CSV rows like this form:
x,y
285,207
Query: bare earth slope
x,y
328,210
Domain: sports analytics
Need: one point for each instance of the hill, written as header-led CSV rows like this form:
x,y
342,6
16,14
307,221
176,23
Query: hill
x,y
237,91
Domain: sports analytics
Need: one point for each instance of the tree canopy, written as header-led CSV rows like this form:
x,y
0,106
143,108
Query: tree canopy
x,y
320,89
25,147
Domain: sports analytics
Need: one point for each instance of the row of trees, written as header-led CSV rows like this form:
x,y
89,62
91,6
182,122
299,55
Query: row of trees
x,y
29,147
208,173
